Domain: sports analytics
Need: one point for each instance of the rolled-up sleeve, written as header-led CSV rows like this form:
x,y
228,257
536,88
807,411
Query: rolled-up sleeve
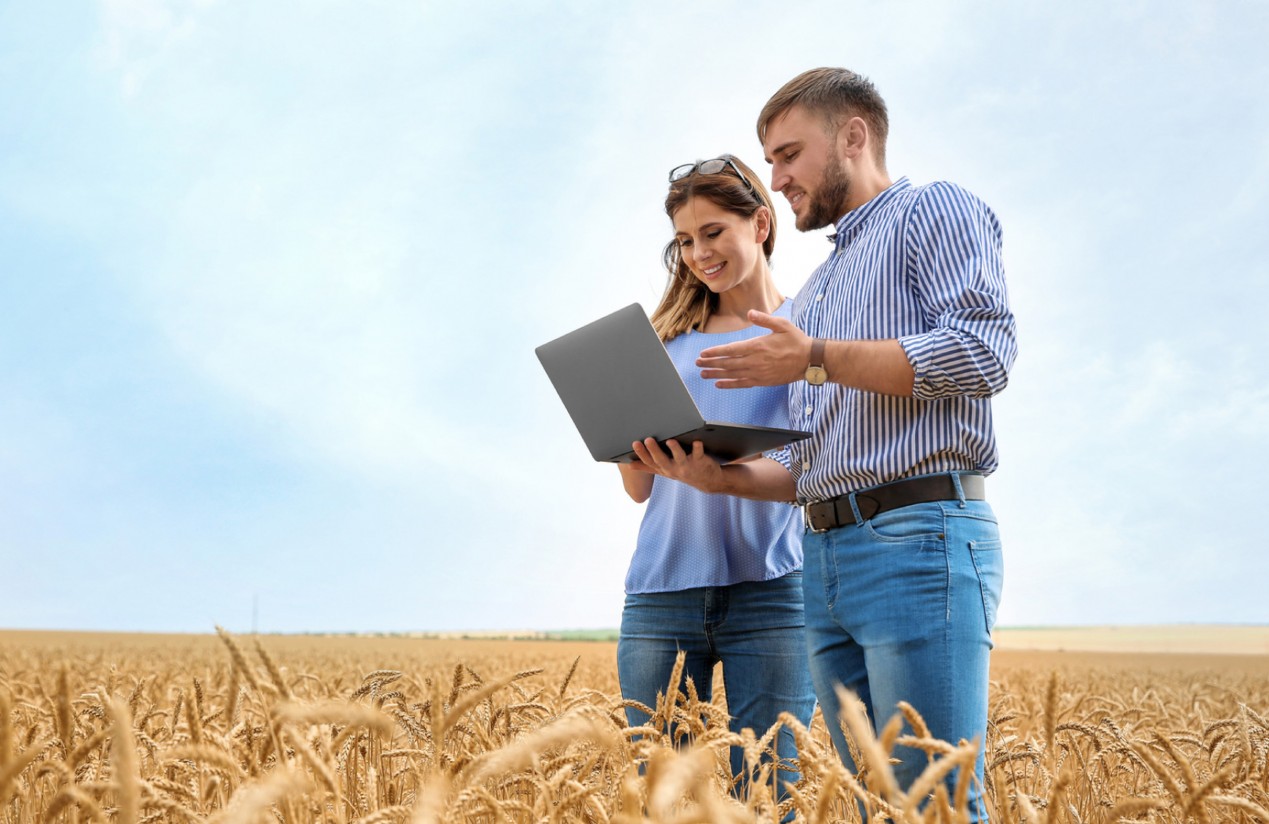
x,y
782,456
955,269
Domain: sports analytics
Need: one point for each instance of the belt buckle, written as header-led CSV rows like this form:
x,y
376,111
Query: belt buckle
x,y
810,526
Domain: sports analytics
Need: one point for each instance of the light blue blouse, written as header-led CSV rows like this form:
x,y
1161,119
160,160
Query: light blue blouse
x,y
691,539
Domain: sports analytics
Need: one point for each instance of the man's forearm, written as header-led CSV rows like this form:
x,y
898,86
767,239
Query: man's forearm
x,y
879,366
760,480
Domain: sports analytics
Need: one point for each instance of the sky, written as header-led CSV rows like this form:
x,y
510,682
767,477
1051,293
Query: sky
x,y
272,274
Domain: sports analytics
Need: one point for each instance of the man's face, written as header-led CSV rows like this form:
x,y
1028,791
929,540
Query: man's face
x,y
806,168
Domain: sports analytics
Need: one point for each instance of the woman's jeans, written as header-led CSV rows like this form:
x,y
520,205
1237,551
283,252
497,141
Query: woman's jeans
x,y
755,629
900,608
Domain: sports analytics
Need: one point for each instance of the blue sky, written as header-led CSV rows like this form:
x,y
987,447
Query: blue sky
x,y
271,277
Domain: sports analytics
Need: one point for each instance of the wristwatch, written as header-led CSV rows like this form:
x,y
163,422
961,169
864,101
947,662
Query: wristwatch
x,y
816,375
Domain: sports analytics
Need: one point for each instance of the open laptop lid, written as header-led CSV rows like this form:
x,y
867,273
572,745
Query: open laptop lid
x,y
618,384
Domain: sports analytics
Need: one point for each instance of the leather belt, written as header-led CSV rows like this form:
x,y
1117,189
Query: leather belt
x,y
822,516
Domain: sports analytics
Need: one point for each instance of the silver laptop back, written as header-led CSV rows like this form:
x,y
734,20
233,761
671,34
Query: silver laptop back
x,y
618,383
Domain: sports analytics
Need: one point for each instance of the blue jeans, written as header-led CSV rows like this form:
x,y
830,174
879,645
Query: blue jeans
x,y
900,608
755,629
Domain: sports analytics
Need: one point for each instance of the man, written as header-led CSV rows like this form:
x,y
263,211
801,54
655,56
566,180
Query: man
x,y
897,344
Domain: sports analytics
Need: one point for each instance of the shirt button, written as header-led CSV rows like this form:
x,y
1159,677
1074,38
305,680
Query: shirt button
x,y
820,296
808,409
806,465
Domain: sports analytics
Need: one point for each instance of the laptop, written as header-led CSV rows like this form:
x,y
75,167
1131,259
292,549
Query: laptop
x,y
619,385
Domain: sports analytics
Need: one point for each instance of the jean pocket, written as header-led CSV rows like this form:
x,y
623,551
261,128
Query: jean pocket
x,y
989,564
918,523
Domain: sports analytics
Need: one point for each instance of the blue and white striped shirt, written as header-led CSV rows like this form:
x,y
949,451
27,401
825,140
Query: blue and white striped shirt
x,y
920,264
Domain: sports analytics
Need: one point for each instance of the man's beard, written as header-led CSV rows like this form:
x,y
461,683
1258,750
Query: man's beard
x,y
828,203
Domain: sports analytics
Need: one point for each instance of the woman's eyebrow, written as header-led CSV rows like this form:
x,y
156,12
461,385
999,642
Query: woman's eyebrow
x,y
701,228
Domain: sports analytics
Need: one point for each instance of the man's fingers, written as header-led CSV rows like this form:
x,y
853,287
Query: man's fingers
x,y
722,363
723,382
727,366
715,353
728,378
739,349
772,322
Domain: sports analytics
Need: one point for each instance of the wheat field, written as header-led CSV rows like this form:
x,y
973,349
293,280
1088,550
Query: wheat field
x,y
227,729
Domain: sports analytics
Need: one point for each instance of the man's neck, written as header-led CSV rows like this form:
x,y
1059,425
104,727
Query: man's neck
x,y
865,187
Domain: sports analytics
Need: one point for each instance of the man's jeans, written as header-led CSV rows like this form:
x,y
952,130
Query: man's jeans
x,y
900,608
755,629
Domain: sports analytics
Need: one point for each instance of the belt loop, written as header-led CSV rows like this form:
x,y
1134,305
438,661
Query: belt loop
x,y
960,491
854,508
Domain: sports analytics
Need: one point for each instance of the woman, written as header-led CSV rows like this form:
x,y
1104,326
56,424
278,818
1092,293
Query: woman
x,y
715,576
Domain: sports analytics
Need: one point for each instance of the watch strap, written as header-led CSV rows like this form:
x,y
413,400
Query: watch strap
x,y
817,351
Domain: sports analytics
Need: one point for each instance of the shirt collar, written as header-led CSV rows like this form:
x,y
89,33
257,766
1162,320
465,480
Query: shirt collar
x,y
853,220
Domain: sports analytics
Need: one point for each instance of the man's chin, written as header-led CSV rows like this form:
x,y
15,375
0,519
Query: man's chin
x,y
809,223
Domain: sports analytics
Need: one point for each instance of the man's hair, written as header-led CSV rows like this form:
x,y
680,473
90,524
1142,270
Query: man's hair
x,y
836,95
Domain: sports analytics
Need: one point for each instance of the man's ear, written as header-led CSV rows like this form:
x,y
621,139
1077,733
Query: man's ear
x,y
853,137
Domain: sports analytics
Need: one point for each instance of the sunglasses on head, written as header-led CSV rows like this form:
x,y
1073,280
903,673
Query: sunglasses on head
x,y
708,167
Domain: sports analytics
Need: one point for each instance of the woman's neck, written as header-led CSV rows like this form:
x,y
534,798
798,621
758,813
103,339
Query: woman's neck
x,y
734,305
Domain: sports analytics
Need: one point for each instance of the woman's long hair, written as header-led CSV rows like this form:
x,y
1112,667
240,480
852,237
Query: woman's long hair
x,y
687,302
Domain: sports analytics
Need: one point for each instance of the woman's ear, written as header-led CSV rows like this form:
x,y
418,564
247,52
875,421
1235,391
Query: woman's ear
x,y
762,223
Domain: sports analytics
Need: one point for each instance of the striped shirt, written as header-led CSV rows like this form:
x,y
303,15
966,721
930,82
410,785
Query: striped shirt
x,y
920,264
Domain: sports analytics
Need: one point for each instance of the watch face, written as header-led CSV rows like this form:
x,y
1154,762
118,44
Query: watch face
x,y
815,375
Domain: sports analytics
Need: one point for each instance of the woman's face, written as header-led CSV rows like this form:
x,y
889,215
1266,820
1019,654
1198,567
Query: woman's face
x,y
720,248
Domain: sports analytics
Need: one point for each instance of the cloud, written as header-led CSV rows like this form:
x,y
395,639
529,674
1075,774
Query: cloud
x,y
335,238
136,36
291,255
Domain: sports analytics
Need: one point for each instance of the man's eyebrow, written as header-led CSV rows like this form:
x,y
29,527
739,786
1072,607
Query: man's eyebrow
x,y
779,150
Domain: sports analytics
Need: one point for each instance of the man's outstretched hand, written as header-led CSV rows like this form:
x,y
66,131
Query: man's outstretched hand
x,y
768,360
